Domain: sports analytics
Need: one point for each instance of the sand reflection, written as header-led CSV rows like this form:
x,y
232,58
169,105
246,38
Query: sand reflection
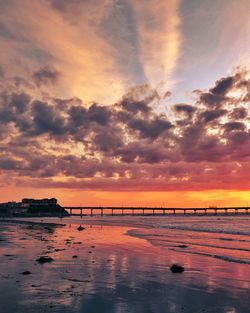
x,y
101,269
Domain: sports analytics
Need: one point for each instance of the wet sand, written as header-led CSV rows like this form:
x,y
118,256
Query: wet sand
x,y
118,269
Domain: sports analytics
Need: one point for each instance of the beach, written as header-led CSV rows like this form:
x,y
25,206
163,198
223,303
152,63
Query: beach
x,y
122,264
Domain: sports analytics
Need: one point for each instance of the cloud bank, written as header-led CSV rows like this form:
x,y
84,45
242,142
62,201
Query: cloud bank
x,y
46,141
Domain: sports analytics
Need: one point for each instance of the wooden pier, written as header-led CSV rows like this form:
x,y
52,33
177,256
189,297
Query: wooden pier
x,y
146,211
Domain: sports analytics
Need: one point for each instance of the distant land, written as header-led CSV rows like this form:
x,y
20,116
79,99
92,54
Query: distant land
x,y
33,207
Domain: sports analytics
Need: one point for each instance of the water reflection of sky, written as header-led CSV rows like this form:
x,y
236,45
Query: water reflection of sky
x,y
112,273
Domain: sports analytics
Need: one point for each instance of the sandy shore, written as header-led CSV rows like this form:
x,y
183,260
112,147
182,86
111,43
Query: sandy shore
x,y
102,269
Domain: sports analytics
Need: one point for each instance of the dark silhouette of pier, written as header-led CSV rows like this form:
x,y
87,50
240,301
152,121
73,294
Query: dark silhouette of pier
x,y
160,211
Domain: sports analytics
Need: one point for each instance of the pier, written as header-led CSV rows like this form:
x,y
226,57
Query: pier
x,y
146,211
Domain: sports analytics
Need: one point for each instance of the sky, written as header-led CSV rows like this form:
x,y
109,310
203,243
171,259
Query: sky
x,y
125,102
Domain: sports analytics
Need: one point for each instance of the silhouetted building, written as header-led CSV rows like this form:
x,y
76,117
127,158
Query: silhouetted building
x,y
40,202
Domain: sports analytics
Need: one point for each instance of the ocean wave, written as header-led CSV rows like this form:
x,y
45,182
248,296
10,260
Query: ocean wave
x,y
223,225
220,257
208,230
164,241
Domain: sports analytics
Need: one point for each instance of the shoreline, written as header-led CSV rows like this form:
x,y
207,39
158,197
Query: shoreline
x,y
173,223
153,235
102,268
14,221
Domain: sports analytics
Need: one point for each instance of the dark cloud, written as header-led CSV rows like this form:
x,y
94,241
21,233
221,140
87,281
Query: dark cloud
x,y
223,85
184,108
231,126
99,114
78,115
150,129
14,108
20,102
107,140
10,164
139,99
46,75
239,113
47,119
212,115
44,137
139,152
210,99
135,106
245,85
240,138
218,95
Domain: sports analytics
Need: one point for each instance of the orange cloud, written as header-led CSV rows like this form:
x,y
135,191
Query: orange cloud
x,y
74,47
75,37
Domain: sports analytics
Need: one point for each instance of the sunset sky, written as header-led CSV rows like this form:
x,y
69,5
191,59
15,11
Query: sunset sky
x,y
125,102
